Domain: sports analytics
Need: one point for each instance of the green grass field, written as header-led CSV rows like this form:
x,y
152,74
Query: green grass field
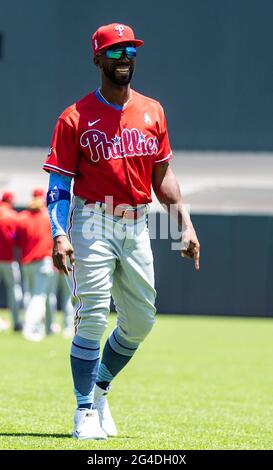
x,y
196,383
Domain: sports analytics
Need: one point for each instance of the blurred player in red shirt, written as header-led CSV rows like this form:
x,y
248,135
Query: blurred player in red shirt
x,y
35,242
54,285
9,267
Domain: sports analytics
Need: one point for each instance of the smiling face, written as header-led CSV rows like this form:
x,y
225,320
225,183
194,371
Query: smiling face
x,y
118,71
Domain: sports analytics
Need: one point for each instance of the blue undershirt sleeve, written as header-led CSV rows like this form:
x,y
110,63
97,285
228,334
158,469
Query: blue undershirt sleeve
x,y
58,202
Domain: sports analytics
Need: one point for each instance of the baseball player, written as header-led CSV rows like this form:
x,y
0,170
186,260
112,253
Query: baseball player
x,y
39,196
35,243
9,267
114,144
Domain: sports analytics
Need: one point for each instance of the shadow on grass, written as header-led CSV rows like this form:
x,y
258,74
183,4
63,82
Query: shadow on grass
x,y
57,436
33,434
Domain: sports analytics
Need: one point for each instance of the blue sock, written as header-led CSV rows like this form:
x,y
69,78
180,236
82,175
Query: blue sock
x,y
84,365
116,354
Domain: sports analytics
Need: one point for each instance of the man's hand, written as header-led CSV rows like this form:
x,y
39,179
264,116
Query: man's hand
x,y
166,188
190,246
61,249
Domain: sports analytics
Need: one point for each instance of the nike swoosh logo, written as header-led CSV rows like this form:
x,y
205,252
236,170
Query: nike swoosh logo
x,y
90,124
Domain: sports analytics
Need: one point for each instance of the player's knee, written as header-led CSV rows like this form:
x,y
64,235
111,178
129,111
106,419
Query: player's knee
x,y
147,328
139,332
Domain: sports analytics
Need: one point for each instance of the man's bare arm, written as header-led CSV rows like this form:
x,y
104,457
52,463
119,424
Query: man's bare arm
x,y
166,188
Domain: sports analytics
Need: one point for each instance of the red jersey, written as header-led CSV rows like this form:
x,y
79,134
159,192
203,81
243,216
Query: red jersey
x,y
34,236
110,150
8,227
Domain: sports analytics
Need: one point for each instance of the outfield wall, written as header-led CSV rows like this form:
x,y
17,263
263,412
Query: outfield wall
x,y
208,62
236,269
236,275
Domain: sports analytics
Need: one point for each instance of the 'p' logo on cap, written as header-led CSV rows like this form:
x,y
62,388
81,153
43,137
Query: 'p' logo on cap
x,y
120,29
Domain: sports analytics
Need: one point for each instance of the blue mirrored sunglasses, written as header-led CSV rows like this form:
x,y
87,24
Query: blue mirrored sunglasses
x,y
117,53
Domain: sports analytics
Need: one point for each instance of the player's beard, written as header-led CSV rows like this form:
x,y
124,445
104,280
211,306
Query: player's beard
x,y
117,78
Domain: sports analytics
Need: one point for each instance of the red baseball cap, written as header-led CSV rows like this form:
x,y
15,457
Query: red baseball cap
x,y
8,196
114,33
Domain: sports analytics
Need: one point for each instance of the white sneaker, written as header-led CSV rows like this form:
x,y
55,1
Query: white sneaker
x,y
4,324
33,333
87,425
106,421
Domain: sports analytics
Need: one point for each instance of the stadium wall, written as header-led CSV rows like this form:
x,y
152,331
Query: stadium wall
x,y
236,274
236,270
208,62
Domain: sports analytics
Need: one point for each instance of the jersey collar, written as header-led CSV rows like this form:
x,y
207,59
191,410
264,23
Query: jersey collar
x,y
101,98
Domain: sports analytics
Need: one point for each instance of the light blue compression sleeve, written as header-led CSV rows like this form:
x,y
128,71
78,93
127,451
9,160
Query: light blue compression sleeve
x,y
58,209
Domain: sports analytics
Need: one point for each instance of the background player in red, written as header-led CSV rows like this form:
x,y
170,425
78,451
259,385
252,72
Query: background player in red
x,y
51,327
35,243
114,143
9,267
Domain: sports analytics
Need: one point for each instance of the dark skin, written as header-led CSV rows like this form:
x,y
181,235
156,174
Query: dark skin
x,y
115,88
167,190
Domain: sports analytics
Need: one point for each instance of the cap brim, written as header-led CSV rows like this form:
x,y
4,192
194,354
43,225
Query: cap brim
x,y
138,42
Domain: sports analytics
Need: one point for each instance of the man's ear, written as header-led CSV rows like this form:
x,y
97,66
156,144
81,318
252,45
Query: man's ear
x,y
96,60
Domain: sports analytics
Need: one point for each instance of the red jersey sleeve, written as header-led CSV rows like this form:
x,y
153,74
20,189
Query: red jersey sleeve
x,y
164,154
63,154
